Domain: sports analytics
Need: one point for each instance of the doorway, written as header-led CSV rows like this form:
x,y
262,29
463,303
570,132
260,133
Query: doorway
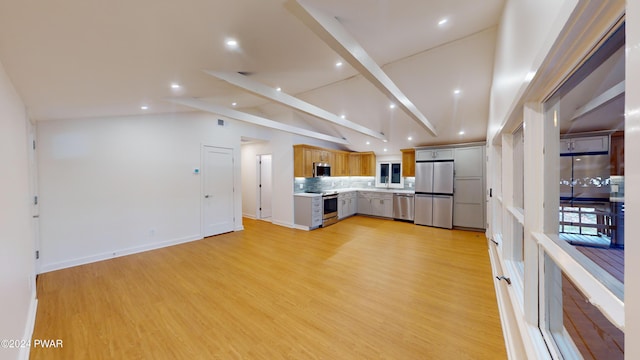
x,y
264,190
218,191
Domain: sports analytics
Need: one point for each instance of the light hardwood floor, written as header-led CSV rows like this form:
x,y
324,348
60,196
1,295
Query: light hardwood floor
x,y
363,288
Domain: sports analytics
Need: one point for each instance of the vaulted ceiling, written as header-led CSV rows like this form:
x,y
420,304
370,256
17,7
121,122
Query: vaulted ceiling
x,y
93,58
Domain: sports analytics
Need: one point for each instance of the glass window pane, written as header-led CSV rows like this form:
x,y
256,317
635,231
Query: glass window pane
x,y
592,333
395,173
518,168
384,173
575,324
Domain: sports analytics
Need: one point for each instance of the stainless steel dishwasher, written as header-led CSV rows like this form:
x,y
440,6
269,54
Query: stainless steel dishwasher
x,y
403,207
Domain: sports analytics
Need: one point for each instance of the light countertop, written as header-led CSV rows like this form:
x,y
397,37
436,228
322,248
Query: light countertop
x,y
339,191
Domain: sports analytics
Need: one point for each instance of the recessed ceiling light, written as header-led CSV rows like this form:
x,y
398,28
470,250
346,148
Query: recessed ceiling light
x,y
368,143
461,132
339,63
175,86
385,149
234,103
530,75
343,116
232,43
278,89
385,140
392,106
456,91
144,107
409,138
443,21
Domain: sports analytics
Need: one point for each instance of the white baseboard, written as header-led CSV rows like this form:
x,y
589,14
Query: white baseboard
x,y
301,227
116,253
30,326
249,216
281,223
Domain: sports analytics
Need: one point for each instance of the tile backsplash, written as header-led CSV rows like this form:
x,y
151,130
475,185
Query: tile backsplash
x,y
320,184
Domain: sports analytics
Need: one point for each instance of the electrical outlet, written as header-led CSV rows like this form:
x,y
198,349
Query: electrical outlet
x,y
369,183
301,186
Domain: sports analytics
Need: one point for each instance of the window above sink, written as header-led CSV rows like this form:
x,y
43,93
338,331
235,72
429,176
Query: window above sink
x,y
389,174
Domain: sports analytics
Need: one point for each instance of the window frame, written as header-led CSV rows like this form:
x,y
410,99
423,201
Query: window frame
x,y
389,184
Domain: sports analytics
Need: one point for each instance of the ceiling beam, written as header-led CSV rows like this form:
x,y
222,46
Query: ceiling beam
x,y
329,29
253,119
610,94
290,101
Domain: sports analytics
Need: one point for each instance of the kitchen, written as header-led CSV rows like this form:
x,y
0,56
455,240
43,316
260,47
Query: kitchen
x,y
405,187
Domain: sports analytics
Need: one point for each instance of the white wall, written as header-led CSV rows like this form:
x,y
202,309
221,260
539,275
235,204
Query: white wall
x,y
17,260
112,186
527,31
632,179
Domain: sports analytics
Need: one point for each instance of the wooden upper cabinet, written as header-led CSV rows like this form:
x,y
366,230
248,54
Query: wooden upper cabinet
x,y
355,164
368,165
302,161
321,156
617,153
362,164
343,163
340,165
408,162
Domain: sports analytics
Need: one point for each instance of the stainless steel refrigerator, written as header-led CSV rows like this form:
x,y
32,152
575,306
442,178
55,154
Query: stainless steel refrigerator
x,y
434,193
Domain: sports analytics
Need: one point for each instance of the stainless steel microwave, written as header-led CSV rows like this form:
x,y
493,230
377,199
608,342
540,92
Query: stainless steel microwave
x,y
321,169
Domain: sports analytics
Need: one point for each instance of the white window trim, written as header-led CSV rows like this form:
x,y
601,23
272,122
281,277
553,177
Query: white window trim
x,y
388,184
596,292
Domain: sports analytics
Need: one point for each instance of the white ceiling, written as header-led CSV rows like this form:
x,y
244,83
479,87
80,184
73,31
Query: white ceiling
x,y
95,58
608,116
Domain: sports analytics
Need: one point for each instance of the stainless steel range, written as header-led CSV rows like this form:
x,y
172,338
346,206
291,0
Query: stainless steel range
x,y
329,208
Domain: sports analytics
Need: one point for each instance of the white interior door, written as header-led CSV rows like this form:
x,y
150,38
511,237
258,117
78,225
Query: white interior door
x,y
218,190
265,186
